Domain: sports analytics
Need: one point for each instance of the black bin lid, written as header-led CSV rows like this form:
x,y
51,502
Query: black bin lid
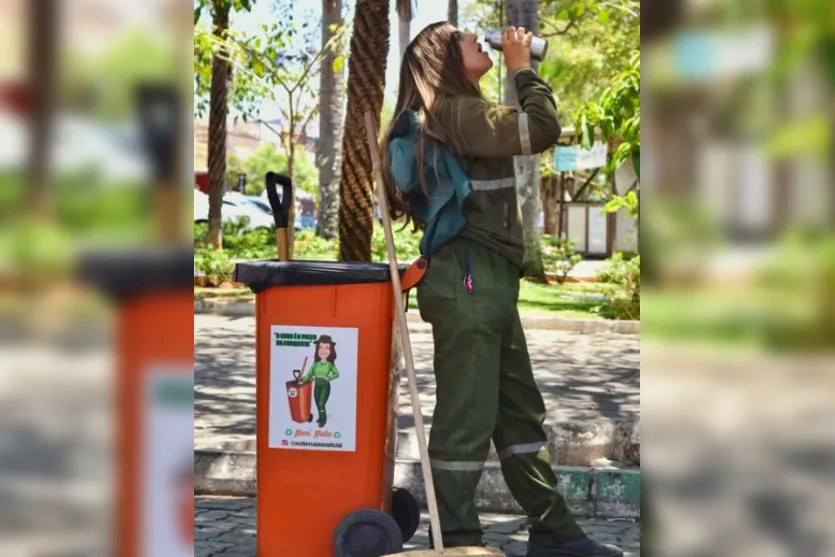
x,y
264,274
125,274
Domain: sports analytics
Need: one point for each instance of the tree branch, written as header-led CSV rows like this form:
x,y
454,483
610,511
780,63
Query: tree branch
x,y
623,8
267,64
557,31
269,127
317,59
311,113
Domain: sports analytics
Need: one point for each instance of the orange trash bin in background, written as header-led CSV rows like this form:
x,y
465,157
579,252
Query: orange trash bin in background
x,y
154,402
325,460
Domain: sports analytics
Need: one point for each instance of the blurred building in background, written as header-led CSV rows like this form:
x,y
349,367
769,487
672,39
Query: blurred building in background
x,y
730,131
737,134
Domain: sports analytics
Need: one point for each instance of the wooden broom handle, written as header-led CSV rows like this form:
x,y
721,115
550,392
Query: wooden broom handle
x,y
403,327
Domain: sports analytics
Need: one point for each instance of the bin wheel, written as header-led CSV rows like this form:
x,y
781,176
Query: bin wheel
x,y
367,533
405,511
310,418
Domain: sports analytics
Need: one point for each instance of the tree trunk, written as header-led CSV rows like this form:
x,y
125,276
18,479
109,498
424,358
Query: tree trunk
x,y
548,196
523,13
404,34
291,170
217,130
404,18
366,81
329,152
42,58
452,15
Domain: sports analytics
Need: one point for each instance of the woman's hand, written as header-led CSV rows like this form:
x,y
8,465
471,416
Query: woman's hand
x,y
516,47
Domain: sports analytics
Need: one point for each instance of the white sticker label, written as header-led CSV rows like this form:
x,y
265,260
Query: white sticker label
x,y
167,484
313,388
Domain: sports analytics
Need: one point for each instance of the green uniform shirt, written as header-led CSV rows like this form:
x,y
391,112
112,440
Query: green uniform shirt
x,y
492,135
321,370
473,183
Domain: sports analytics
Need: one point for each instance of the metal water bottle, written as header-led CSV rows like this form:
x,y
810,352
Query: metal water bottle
x,y
539,46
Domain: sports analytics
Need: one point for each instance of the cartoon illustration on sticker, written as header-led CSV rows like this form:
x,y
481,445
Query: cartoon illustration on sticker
x,y
322,372
185,502
324,386
298,397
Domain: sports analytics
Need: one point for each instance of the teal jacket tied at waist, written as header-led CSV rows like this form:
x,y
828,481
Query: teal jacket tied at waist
x,y
448,186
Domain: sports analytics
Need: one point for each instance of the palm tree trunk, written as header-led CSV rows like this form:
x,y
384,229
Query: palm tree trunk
x,y
329,152
452,15
366,81
523,13
42,58
217,129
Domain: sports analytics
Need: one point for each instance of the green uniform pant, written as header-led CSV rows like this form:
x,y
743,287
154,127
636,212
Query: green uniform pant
x,y
321,393
485,391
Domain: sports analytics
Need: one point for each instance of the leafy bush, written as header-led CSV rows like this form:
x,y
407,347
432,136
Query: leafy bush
x,y
239,243
559,257
406,243
216,266
797,285
310,247
610,272
623,302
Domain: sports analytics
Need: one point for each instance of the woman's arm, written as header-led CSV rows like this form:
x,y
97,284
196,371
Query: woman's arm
x,y
309,375
333,373
491,130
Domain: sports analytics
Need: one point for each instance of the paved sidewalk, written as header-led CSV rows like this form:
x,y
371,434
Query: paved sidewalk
x,y
590,383
225,527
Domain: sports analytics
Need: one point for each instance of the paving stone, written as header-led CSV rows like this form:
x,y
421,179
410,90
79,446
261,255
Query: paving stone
x,y
590,383
233,534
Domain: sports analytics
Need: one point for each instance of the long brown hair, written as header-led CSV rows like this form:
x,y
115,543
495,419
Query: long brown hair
x,y
432,72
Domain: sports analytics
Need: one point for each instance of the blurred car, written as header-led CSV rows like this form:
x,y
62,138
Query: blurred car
x,y
305,209
233,209
257,202
260,203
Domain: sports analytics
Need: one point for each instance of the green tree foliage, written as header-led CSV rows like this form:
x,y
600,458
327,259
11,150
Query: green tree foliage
x,y
279,63
617,114
589,43
104,83
268,158
276,63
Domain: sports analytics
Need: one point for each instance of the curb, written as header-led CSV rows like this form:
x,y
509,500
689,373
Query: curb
x,y
590,492
247,309
570,444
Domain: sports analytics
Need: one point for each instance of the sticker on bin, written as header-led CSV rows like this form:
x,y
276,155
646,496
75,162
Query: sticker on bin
x,y
168,479
313,388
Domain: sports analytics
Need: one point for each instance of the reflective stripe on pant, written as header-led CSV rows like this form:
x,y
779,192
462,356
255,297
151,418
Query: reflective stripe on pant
x,y
485,391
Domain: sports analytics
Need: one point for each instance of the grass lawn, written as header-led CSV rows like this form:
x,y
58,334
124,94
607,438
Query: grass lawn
x,y
575,300
751,318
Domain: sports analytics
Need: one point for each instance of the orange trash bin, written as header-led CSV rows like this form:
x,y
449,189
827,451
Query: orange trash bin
x,y
298,397
154,443
325,432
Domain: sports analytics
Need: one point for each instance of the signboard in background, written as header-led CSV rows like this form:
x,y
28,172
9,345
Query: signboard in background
x,y
575,157
597,231
702,56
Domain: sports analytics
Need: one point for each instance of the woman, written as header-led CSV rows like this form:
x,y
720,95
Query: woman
x,y
450,172
322,372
